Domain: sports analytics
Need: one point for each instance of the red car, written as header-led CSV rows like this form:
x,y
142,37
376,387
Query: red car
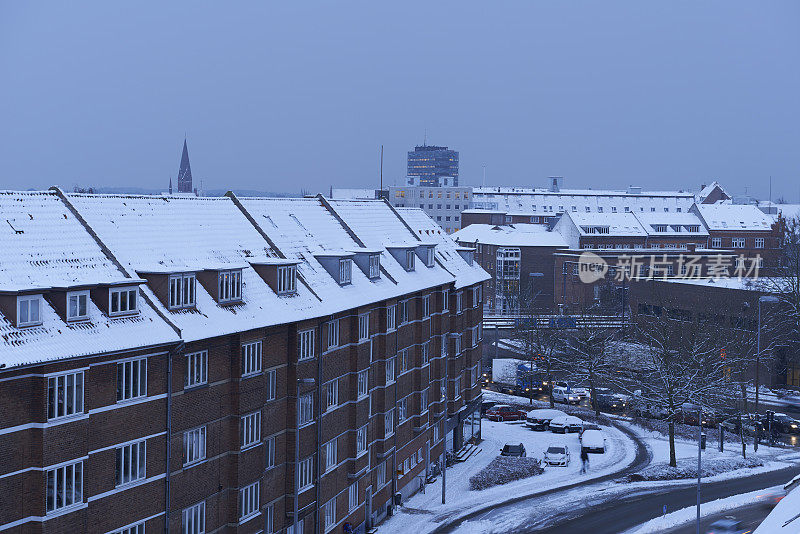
x,y
504,412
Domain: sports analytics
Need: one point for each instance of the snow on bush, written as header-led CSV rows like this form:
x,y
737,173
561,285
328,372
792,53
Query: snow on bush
x,y
688,468
503,470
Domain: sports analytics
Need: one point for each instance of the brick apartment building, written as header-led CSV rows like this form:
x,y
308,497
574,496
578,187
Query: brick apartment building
x,y
154,348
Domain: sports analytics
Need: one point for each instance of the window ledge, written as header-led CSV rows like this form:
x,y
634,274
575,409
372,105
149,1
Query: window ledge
x,y
249,516
195,462
67,418
132,400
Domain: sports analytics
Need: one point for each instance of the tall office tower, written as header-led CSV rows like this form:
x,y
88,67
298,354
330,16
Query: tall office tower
x,y
432,166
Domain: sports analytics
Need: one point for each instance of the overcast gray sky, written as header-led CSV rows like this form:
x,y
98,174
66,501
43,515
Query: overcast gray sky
x,y
282,95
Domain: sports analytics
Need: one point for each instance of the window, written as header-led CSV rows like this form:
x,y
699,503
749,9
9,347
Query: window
x,y
330,514
249,430
430,256
391,316
269,453
194,445
457,344
410,260
423,401
660,227
402,410
457,387
443,390
435,433
475,334
287,279
271,386
716,242
426,306
759,242
444,346
29,310
306,472
194,519
345,271
306,408
132,379
381,474
737,242
78,305
138,528
361,440
64,486
181,290
196,369
331,394
363,327
251,358
230,286
131,461
445,299
305,345
269,519
389,370
458,302
374,266
388,423
403,356
425,352
333,334
403,312
122,300
64,395
249,501
363,383
330,455
352,496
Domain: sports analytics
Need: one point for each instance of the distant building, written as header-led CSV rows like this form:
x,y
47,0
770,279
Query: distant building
x,y
185,172
432,166
443,204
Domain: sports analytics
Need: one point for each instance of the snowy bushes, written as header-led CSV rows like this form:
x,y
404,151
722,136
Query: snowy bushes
x,y
503,470
688,468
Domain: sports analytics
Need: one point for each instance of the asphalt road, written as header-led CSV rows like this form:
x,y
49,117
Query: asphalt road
x,y
751,516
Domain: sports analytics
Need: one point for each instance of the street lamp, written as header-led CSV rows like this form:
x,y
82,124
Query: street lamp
x,y
300,382
769,300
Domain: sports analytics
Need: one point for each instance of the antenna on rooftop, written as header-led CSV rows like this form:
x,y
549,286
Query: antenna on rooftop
x,y
425,138
770,189
484,175
381,167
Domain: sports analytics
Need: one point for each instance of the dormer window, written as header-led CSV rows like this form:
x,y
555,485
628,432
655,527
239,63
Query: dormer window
x,y
345,271
409,260
287,279
374,266
230,285
77,305
694,228
123,300
660,227
29,310
181,291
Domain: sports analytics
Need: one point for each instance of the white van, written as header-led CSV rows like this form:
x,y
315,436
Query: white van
x,y
560,395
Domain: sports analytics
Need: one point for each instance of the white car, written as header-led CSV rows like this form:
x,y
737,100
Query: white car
x,y
557,455
560,395
566,423
593,441
583,393
540,419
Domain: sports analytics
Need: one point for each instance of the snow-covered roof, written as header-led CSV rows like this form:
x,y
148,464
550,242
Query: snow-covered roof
x,y
47,247
733,217
200,233
707,190
676,223
344,193
576,192
512,235
784,518
446,249
618,224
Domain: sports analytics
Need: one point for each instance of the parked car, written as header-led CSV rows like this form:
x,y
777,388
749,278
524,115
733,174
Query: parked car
x,y
560,395
540,419
487,405
566,423
588,426
611,402
649,410
557,455
593,441
784,424
504,412
511,449
727,526
583,393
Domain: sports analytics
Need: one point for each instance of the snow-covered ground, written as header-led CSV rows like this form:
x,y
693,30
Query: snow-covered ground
x,y
423,512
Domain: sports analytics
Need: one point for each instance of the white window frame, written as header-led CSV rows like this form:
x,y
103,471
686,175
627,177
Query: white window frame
x,y
330,514
249,430
426,306
410,255
374,266
131,463
390,371
402,410
194,446
388,423
124,296
430,258
331,395
306,408
403,312
425,353
352,496
361,440
229,285
457,387
271,386
423,401
738,242
716,242
362,384
287,279
331,454
193,519
381,474
249,501
459,302
182,291
252,358
131,379
32,315
391,317
363,327
56,480
345,271
65,395
196,369
759,242
269,519
137,528
445,300
402,356
332,339
476,296
78,296
269,453
305,344
306,473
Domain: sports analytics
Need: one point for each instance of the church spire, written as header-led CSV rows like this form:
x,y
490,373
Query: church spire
x,y
185,172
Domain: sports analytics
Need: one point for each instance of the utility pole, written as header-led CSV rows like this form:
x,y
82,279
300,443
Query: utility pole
x,y
699,459
381,167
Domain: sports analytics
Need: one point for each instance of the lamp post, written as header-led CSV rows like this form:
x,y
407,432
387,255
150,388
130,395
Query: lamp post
x,y
303,382
770,300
